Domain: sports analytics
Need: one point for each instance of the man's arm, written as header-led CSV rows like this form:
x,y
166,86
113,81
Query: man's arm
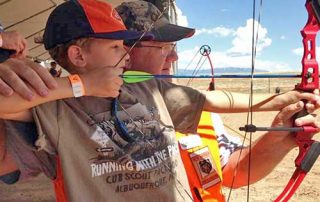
x,y
21,75
16,70
229,102
267,151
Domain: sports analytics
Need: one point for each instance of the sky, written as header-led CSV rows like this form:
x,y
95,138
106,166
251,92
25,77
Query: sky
x,y
226,26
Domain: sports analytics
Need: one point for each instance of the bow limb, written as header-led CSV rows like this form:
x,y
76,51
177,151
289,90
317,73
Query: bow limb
x,y
205,50
212,83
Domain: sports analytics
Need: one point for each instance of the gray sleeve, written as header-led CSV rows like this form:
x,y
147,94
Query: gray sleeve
x,y
46,119
21,138
184,104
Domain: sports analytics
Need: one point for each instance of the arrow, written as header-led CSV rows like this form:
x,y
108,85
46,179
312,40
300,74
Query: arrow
x,y
139,76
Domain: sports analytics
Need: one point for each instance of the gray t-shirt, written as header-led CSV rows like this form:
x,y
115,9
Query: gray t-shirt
x,y
20,142
104,161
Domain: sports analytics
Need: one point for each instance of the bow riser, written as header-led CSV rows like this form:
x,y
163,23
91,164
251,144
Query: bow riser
x,y
310,70
308,149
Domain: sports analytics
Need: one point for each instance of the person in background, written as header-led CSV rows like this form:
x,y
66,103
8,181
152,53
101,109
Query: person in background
x,y
54,71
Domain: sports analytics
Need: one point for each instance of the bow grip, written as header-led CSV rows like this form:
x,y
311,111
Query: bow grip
x,y
310,157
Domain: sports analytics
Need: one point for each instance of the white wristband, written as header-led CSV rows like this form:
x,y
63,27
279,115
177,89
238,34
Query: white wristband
x,y
77,85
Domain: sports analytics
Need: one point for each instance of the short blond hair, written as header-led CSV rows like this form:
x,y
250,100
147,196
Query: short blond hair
x,y
60,52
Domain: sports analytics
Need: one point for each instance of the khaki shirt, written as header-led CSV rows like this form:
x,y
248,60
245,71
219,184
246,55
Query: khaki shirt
x,y
99,164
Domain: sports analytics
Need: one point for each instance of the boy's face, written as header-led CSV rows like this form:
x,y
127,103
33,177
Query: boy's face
x,y
153,57
105,53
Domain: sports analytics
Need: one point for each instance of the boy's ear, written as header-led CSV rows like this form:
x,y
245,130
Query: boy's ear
x,y
76,57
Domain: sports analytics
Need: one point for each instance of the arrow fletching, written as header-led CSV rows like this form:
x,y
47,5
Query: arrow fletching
x,y
136,76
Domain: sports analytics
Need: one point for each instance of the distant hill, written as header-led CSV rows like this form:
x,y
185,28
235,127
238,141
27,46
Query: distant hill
x,y
224,70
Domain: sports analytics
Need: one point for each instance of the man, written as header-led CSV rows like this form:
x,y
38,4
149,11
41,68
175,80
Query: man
x,y
161,54
207,167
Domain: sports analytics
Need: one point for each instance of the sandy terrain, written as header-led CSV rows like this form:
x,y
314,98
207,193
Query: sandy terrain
x,y
40,188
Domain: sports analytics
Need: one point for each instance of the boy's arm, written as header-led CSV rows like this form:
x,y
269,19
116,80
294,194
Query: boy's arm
x,y
229,102
16,103
104,82
17,108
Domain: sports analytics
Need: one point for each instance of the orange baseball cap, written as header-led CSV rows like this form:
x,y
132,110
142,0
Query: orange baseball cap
x,y
86,18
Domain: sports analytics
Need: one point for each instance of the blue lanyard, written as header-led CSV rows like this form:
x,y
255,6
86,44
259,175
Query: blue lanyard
x,y
120,127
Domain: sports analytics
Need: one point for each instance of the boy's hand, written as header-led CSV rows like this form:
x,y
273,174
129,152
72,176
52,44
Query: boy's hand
x,y
17,75
103,82
12,40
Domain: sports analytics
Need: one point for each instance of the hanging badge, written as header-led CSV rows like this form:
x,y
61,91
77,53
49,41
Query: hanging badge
x,y
206,168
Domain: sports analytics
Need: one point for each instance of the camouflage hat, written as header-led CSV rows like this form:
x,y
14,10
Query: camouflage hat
x,y
141,15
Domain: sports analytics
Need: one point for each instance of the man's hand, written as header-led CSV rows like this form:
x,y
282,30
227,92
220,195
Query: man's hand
x,y
103,82
12,40
21,75
282,100
285,118
267,151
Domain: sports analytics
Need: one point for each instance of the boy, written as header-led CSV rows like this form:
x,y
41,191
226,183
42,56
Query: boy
x,y
122,148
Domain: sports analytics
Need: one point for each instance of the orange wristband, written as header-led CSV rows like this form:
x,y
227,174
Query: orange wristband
x,y
77,85
1,41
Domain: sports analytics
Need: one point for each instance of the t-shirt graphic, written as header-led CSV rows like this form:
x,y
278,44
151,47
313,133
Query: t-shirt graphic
x,y
149,154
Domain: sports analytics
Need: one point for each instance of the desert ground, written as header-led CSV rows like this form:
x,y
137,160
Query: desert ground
x,y
40,188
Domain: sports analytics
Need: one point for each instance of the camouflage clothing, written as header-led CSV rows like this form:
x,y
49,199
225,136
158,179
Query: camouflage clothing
x,y
144,16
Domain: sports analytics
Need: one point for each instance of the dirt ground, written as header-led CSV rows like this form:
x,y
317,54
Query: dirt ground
x,y
40,189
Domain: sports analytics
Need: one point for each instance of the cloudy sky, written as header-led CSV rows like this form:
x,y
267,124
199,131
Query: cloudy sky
x,y
226,26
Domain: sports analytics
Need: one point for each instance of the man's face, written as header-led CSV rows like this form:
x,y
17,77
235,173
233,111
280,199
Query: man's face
x,y
105,53
153,57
